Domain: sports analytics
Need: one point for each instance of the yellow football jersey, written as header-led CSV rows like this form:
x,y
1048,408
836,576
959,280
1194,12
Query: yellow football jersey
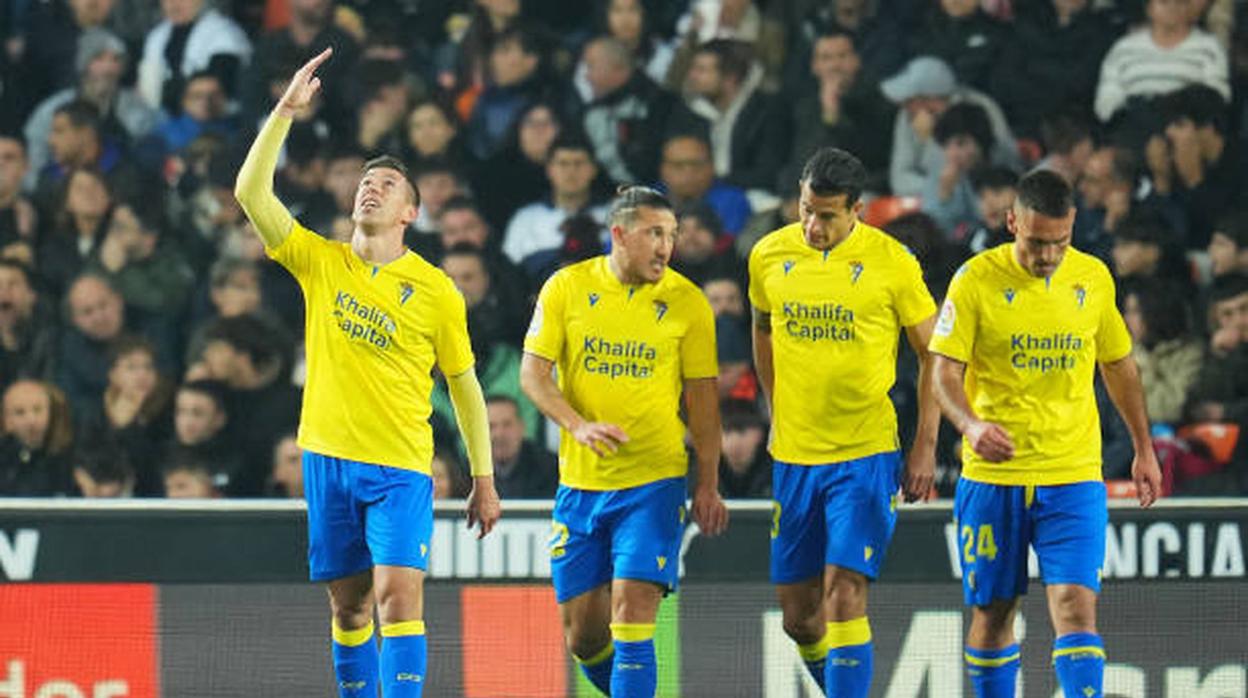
x,y
1031,346
623,353
836,317
373,335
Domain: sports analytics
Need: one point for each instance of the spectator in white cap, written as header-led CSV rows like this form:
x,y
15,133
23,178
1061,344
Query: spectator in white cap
x,y
100,64
924,89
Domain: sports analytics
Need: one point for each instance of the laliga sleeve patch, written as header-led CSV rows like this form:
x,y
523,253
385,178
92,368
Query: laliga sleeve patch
x,y
948,315
535,325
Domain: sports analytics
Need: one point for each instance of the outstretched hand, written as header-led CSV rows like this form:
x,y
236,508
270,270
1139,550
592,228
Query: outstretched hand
x,y
303,86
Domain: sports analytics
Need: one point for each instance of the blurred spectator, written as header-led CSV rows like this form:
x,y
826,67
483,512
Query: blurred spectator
x,y
1145,247
382,94
27,327
961,34
687,175
732,338
937,258
1228,246
188,476
924,89
629,116
97,317
491,318
1068,145
103,472
1207,174
37,439
311,29
877,33
77,230
432,134
76,141
47,50
463,60
449,480
1106,190
1050,61
100,64
136,415
630,23
253,359
749,130
1167,354
462,224
733,20
344,166
745,466
522,468
965,137
1220,392
995,190
516,80
438,182
534,229
703,250
286,480
844,108
192,37
204,110
1168,54
201,431
18,219
517,174
767,220
142,263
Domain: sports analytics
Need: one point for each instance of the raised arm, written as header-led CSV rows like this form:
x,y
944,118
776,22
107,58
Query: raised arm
x,y
1122,379
537,381
254,187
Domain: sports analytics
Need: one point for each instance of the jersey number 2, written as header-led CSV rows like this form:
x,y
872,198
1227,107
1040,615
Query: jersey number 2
x,y
983,544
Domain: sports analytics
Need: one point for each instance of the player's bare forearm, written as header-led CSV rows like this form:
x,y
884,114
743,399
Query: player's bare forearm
x,y
702,402
929,411
949,391
538,383
474,424
1122,380
761,334
254,186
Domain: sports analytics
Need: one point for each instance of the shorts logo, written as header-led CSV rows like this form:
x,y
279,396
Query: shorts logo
x,y
660,309
788,266
662,562
405,292
867,552
1009,295
593,299
405,676
855,271
424,550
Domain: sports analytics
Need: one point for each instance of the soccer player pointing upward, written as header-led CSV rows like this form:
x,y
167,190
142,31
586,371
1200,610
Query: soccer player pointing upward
x,y
628,335
1019,337
831,295
379,318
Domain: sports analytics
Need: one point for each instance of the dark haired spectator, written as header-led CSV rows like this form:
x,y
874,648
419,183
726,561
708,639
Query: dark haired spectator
x,y
205,110
76,230
961,34
744,466
36,441
1167,354
46,37
203,431
141,261
449,479
632,23
100,64
103,472
964,135
77,140
27,326
687,175
516,175
703,250
629,115
18,218
189,475
1228,246
432,132
516,79
1207,176
1068,145
462,223
380,94
97,317
1168,54
750,131
535,228
879,38
843,108
1220,392
286,478
926,241
732,337
1051,59
193,36
995,191
136,413
1145,247
522,468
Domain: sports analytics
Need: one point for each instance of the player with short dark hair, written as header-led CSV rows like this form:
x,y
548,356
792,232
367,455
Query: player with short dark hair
x,y
628,336
830,295
1017,342
379,319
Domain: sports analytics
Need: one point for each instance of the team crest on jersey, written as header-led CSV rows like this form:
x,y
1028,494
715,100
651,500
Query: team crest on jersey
x,y
1081,294
1009,295
593,299
788,266
855,271
660,309
405,292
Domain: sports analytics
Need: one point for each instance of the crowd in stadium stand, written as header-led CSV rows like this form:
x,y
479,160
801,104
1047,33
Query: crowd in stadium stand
x,y
148,347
